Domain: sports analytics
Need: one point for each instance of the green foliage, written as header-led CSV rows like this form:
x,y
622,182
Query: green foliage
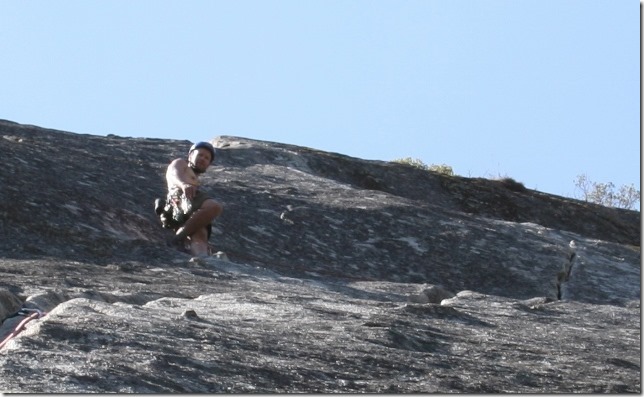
x,y
442,168
413,162
606,194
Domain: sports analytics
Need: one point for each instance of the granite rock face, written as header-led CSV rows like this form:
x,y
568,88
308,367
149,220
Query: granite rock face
x,y
339,275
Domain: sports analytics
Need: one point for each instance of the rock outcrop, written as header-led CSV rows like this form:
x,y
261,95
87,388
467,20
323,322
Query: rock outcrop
x,y
339,275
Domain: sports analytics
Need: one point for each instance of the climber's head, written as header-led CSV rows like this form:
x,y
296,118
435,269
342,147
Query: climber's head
x,y
200,156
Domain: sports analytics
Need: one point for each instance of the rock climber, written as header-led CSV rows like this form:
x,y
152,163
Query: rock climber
x,y
188,210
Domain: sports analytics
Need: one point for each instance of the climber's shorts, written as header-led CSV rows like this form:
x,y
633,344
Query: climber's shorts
x,y
176,209
197,201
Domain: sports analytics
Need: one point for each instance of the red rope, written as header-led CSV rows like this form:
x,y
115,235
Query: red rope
x,y
20,327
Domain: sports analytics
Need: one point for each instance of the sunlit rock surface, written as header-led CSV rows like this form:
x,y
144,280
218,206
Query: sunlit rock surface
x,y
342,275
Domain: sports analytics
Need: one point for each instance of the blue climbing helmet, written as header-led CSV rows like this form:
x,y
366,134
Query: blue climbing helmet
x,y
204,145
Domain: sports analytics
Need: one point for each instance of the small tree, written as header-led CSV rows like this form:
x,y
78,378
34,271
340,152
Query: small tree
x,y
604,193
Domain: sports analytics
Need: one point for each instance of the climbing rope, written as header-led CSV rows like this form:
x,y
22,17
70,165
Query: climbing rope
x,y
35,313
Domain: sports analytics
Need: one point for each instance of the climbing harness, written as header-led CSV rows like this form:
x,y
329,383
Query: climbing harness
x,y
31,314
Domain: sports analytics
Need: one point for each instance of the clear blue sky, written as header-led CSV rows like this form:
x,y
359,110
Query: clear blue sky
x,y
540,91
